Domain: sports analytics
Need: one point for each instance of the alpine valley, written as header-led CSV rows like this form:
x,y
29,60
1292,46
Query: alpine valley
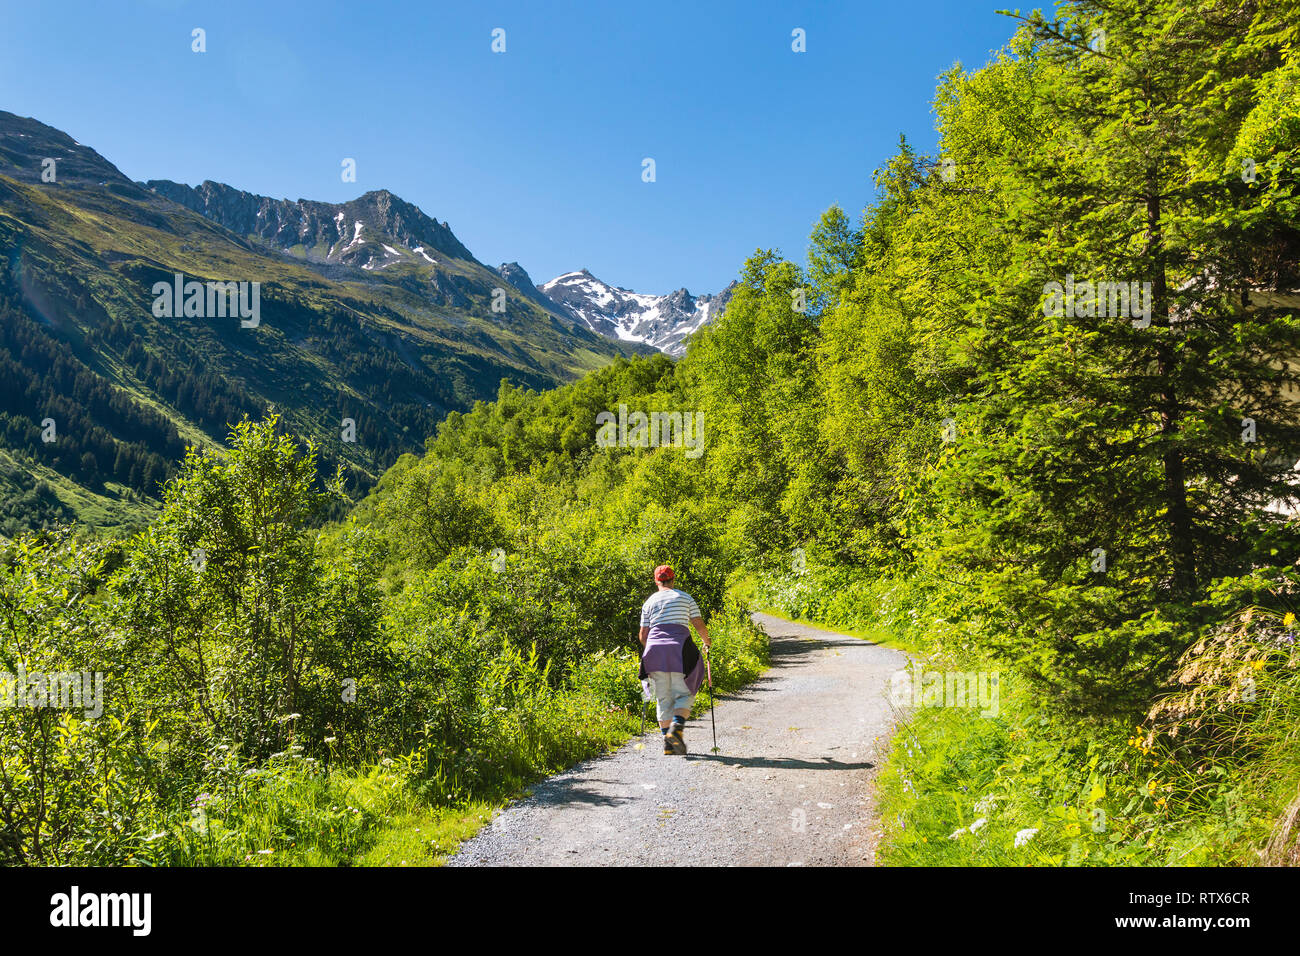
x,y
370,311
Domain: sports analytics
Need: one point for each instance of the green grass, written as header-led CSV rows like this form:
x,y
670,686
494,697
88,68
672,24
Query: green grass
x,y
1098,793
426,837
108,511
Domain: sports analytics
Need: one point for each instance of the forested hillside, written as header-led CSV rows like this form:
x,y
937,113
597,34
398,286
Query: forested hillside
x,y
1030,414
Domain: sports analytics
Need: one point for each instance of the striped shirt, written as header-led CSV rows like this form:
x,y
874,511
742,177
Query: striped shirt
x,y
669,607
668,616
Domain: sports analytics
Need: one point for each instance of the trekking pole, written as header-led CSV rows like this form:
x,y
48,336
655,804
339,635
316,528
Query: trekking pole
x,y
708,670
640,704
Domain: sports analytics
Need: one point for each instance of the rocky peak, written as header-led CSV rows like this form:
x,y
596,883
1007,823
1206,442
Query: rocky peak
x,y
353,232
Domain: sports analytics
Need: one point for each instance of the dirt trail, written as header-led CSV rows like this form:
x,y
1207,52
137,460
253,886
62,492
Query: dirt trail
x,y
791,786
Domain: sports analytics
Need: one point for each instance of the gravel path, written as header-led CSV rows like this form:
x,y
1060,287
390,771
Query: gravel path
x,y
791,786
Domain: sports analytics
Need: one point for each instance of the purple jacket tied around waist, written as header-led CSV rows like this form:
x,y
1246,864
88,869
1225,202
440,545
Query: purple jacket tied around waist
x,y
669,647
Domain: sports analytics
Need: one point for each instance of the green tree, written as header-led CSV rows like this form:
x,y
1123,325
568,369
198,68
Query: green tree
x,y
254,635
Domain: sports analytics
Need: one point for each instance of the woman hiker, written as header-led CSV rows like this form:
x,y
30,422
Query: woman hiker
x,y
670,661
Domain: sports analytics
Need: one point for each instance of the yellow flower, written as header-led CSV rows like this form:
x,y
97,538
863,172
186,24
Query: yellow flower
x,y
1258,665
1288,620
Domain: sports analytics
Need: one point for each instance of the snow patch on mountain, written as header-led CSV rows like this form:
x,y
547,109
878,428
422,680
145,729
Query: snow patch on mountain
x,y
663,321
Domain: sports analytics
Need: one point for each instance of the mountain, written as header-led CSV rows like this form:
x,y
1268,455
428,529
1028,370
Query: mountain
x,y
370,310
356,233
514,273
663,321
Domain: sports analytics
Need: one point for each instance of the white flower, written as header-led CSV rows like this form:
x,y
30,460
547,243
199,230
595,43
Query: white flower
x,y
974,827
1024,836
330,740
985,803
956,833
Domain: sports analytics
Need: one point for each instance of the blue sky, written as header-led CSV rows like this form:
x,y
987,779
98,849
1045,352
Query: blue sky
x,y
533,155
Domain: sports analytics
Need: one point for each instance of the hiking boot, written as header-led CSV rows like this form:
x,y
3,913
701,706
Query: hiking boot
x,y
675,740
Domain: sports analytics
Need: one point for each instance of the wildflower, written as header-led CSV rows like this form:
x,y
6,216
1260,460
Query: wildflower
x,y
985,804
1024,836
330,740
978,824
1288,620
265,852
956,833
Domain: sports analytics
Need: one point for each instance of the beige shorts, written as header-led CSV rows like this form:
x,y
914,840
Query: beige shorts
x,y
671,693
